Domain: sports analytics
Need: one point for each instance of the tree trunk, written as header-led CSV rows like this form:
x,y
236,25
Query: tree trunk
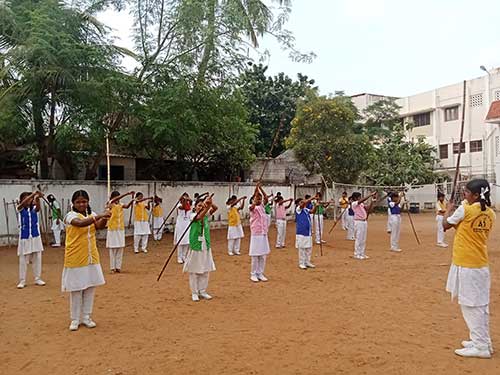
x,y
93,165
210,42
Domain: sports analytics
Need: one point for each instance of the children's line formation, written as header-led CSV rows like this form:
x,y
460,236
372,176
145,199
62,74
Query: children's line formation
x,y
468,279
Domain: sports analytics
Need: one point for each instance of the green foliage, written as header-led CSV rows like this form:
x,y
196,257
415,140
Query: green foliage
x,y
380,119
270,100
324,139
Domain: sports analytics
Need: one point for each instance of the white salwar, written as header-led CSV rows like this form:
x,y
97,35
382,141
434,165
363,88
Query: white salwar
x,y
141,235
281,232
304,247
440,229
29,250
199,264
395,224
350,227
259,249
157,222
234,235
360,231
318,227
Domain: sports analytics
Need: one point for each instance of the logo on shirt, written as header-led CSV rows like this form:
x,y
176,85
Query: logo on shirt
x,y
482,224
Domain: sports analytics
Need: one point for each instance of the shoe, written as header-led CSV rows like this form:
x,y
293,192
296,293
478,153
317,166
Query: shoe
x,y
89,323
180,261
118,270
39,282
310,265
397,250
302,266
74,325
318,243
254,278
145,251
230,254
365,257
112,271
473,352
136,251
359,257
262,278
55,245
195,297
445,245
323,241
205,295
470,344
21,285
236,253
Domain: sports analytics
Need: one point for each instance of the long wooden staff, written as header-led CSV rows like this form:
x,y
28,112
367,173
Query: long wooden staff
x,y
275,139
338,219
5,206
177,244
166,218
457,169
411,220
320,234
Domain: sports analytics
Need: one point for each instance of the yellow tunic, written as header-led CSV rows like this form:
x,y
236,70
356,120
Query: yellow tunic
x,y
81,246
141,213
233,217
343,203
116,221
469,246
157,211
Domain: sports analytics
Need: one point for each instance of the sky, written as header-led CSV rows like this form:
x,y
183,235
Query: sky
x,y
387,47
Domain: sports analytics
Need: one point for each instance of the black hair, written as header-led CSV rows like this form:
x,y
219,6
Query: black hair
x,y
81,193
278,194
307,196
138,193
441,194
478,185
23,195
279,198
297,201
114,194
51,197
319,194
394,195
231,198
344,193
356,195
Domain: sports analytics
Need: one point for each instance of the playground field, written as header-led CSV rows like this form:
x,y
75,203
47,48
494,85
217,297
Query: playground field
x,y
386,315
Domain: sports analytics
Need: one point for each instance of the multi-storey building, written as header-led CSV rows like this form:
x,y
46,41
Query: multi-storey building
x,y
437,114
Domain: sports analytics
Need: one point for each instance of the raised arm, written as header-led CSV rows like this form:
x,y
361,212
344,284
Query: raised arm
x,y
450,208
99,220
36,196
289,201
242,205
374,194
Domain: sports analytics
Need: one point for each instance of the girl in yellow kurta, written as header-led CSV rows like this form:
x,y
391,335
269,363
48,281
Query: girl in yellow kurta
x,y
115,237
157,218
82,271
141,222
469,276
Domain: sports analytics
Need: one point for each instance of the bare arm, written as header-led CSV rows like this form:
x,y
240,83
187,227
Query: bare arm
x,y
242,206
450,207
289,200
27,200
98,220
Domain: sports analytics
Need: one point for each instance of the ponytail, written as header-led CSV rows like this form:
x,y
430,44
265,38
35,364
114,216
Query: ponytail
x,y
482,188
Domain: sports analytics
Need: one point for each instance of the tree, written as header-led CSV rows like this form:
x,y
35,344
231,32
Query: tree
x,y
49,51
324,139
380,119
271,100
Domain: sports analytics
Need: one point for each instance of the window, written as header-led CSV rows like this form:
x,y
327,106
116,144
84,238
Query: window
x,y
476,146
443,152
451,113
476,100
422,119
455,147
117,172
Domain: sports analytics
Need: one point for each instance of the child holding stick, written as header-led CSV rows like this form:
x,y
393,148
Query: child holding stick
x,y
389,212
469,275
30,246
360,223
318,217
281,205
395,221
141,222
82,271
182,222
234,229
303,232
344,204
440,211
57,222
259,243
115,236
350,221
157,218
199,260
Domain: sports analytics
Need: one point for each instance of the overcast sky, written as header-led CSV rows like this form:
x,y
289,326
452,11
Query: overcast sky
x,y
390,47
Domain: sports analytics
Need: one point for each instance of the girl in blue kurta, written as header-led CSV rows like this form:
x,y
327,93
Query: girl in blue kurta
x,y
30,245
303,237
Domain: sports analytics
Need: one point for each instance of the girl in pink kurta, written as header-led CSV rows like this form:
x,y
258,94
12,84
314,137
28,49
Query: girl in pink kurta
x,y
259,243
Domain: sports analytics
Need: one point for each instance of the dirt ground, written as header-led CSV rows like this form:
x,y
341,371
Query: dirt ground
x,y
386,315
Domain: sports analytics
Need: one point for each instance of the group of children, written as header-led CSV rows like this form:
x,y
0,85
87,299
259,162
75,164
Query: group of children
x,y
468,279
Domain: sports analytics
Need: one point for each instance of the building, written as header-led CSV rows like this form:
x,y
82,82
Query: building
x,y
437,115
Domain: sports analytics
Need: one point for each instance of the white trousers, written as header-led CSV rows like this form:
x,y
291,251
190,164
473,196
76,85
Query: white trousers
x,y
360,229
36,265
350,227
395,221
305,256
389,221
182,251
115,258
477,319
281,232
344,219
81,303
198,282
157,222
57,237
258,265
318,227
142,240
233,246
440,229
